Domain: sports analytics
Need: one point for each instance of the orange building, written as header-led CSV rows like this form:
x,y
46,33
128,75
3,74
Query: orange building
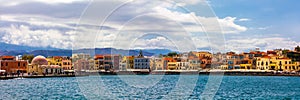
x,y
11,65
99,62
169,63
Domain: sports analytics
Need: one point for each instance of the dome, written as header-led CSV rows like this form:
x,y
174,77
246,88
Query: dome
x,y
39,60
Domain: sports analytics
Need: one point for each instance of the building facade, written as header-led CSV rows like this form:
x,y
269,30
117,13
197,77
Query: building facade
x,y
11,65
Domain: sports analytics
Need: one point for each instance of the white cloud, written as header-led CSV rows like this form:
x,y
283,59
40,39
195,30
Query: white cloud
x,y
19,2
23,35
264,43
154,16
229,26
39,20
244,19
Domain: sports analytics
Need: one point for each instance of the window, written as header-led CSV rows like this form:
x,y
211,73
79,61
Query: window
x,y
19,64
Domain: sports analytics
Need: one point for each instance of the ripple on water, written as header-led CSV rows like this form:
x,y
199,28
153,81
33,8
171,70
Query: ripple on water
x,y
232,87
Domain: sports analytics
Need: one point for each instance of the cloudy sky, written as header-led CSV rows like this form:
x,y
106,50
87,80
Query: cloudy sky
x,y
236,25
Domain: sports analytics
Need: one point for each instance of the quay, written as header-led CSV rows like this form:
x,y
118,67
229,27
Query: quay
x,y
164,72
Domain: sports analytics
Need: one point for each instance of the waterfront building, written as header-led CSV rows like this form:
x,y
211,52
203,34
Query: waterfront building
x,y
64,62
99,62
129,62
158,64
172,65
81,65
78,56
181,63
11,65
169,63
205,58
40,65
55,60
246,66
263,63
111,62
123,64
92,64
67,64
106,62
141,62
224,67
194,63
285,64
51,69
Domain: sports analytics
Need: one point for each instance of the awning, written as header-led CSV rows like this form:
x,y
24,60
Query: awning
x,y
51,66
69,71
2,71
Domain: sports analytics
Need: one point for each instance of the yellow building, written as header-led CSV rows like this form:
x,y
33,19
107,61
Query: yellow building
x,y
285,64
172,65
67,64
56,60
262,63
224,67
277,63
246,66
39,66
202,54
35,66
130,62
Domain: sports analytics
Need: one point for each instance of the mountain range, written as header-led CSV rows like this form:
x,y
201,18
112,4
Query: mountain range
x,y
14,50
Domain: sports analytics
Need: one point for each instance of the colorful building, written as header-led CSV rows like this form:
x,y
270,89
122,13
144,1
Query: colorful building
x,y
158,63
40,66
262,63
11,65
130,62
140,62
169,63
99,62
194,63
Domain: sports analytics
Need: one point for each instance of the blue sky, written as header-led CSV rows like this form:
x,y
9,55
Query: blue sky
x,y
277,16
67,24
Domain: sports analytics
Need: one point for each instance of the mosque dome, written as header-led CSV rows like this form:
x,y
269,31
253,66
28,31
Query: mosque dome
x,y
39,60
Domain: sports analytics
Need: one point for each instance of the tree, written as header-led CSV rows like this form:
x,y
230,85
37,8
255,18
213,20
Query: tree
x,y
28,57
172,54
297,49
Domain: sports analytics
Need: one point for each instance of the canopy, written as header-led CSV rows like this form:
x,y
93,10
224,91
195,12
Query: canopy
x,y
68,70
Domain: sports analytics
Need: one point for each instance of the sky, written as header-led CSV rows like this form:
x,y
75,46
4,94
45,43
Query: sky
x,y
183,25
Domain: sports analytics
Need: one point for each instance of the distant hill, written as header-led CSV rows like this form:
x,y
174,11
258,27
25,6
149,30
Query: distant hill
x,y
158,51
13,47
92,52
112,51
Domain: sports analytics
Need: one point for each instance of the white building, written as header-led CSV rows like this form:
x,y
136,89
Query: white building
x,y
141,62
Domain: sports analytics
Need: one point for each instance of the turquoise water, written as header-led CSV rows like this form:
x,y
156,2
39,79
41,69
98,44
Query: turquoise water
x,y
151,87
